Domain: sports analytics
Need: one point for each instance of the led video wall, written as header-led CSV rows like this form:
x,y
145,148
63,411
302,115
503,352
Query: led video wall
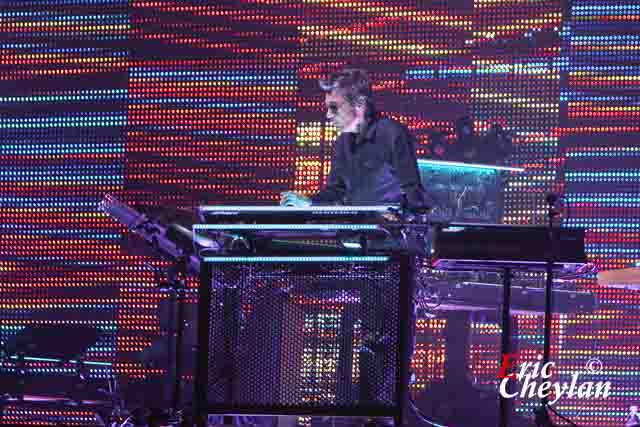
x,y
190,102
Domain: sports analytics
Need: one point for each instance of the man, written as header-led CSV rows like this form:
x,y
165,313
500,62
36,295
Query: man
x,y
374,162
374,158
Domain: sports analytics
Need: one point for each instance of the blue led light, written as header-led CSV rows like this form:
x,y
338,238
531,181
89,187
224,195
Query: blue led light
x,y
469,166
93,96
31,14
197,75
420,73
204,103
610,152
610,248
43,170
52,360
118,179
70,148
65,121
611,8
613,200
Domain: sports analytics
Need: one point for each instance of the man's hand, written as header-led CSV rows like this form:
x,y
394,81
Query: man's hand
x,y
297,200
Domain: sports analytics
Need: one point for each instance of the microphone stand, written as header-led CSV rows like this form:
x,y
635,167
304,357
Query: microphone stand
x,y
177,287
173,243
541,415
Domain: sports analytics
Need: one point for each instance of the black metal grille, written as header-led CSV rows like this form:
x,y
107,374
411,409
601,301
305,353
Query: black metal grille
x,y
304,337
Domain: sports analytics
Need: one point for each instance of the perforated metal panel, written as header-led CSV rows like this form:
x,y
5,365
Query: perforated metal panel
x,y
304,337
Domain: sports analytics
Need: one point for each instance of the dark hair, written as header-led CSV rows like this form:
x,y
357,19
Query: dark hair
x,y
354,84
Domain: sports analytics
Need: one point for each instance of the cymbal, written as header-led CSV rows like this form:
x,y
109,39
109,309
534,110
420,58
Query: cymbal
x,y
627,278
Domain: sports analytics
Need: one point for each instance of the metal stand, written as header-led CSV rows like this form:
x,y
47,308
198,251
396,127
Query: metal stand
x,y
202,371
230,312
505,347
542,417
176,286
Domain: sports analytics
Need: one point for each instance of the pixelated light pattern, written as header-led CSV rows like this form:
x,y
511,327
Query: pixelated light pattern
x,y
182,103
64,78
599,138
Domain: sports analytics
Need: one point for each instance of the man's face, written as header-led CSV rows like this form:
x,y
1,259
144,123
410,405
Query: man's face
x,y
339,111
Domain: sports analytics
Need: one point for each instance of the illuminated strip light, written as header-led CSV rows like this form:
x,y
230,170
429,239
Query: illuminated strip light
x,y
598,129
496,69
50,60
468,165
514,28
581,108
605,196
65,98
67,28
13,46
383,9
67,71
294,259
60,260
614,48
53,169
62,234
215,75
28,177
529,103
590,176
47,359
202,103
48,16
546,63
236,137
546,71
503,3
608,68
547,19
606,152
42,48
382,43
594,99
29,229
608,39
56,122
608,9
284,209
61,20
601,223
613,248
603,75
327,227
33,306
608,202
53,149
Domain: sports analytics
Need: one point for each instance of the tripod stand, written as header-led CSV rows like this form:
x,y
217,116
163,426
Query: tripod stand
x,y
176,286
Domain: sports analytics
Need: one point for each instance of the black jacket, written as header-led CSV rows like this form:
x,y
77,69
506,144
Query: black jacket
x,y
378,165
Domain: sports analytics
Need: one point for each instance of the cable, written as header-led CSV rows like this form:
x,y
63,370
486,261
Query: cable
x,y
571,423
421,417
